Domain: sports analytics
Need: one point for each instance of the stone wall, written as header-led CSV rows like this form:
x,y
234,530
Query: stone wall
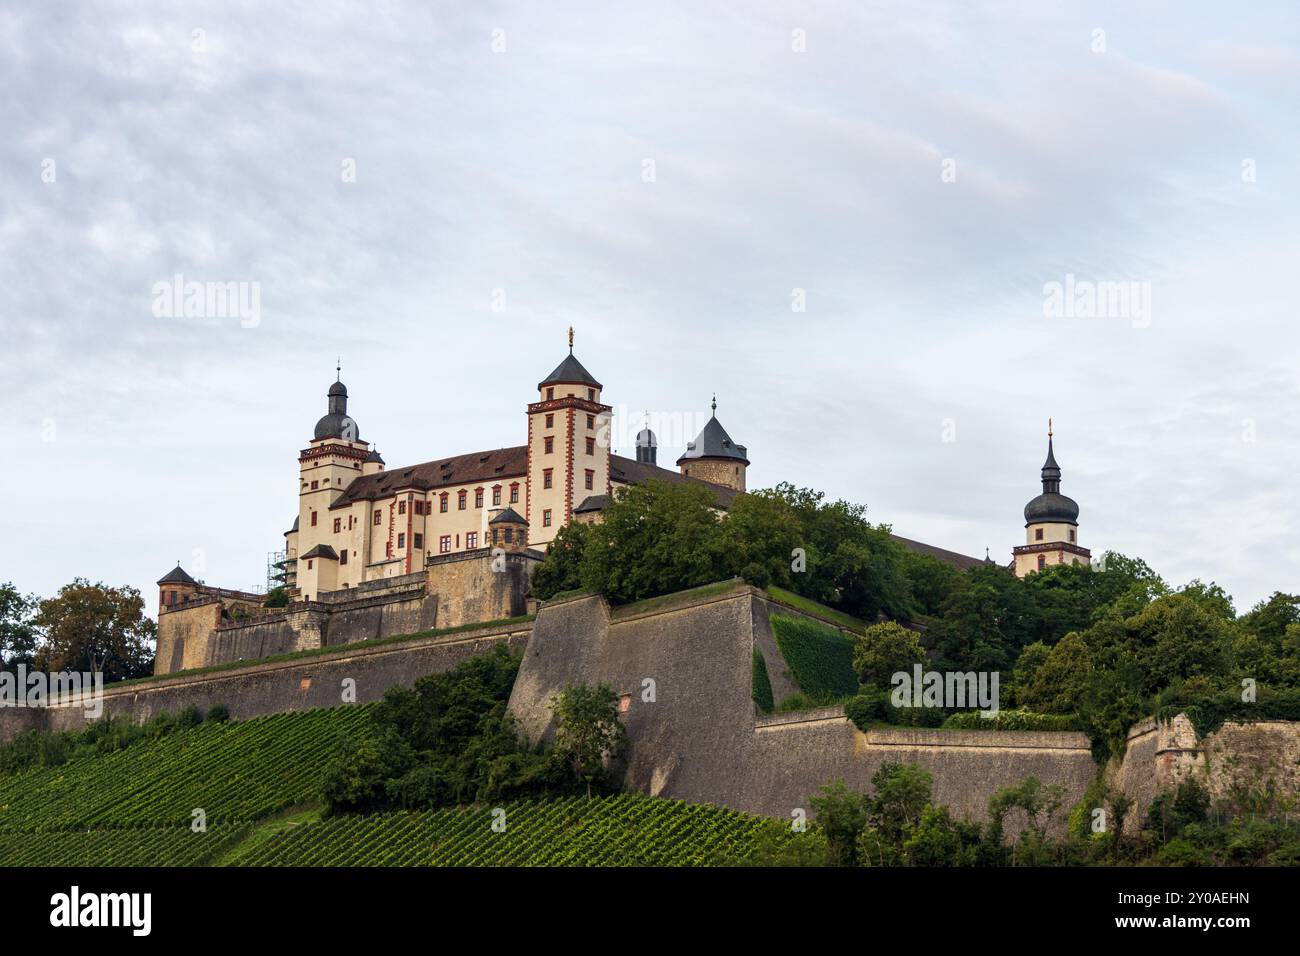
x,y
268,688
474,586
700,738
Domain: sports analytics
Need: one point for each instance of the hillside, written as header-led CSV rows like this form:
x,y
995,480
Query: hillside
x,y
258,781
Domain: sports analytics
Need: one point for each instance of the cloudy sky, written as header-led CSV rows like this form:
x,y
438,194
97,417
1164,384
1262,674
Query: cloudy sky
x,y
842,217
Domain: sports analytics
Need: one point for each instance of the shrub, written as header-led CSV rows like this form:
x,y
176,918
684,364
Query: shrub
x,y
884,650
219,713
762,684
1020,719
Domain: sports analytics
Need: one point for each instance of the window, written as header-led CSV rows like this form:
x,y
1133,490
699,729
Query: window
x,y
514,494
442,502
550,394
546,481
401,507
379,516
444,543
591,446
1038,534
310,564
590,479
460,500
315,485
1071,535
510,535
417,541
343,556
496,495
471,539
550,421
591,394
1042,561
546,518
478,497
338,525
591,421
548,444
401,540
313,519
351,518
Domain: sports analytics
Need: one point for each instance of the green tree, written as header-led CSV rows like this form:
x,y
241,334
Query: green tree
x,y
1059,684
883,650
18,632
92,627
987,621
653,539
588,731
841,815
561,569
759,537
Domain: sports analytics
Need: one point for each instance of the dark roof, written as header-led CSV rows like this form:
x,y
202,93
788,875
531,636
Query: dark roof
x,y
959,561
335,425
593,503
338,388
509,515
646,437
176,575
375,456
295,526
484,466
1052,506
322,551
714,442
631,472
570,370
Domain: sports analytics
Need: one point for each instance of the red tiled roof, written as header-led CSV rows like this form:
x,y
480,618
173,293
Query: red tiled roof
x,y
481,466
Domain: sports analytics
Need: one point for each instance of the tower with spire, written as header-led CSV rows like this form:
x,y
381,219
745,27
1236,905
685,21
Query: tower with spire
x,y
568,448
1051,524
714,457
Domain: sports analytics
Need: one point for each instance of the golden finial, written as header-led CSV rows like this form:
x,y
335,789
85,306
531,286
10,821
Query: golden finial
x,y
570,338
1049,428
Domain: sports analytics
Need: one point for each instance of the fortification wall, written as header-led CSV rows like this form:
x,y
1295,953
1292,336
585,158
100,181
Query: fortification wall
x,y
268,688
700,738
473,588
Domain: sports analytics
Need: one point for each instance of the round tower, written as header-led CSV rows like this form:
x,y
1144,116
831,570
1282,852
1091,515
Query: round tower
x,y
714,457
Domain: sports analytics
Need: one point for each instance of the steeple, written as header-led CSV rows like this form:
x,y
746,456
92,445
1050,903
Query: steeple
x,y
646,444
1051,473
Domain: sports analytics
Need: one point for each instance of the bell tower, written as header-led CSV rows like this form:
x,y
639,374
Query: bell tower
x,y
1051,524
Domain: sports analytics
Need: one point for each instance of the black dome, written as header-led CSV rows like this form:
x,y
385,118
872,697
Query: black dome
x,y
338,388
1051,506
336,425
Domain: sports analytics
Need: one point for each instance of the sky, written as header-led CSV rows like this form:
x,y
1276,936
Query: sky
x,y
850,221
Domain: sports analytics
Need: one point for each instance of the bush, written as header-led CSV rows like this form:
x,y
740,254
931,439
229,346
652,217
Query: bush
x,y
219,713
1012,720
884,650
820,658
762,684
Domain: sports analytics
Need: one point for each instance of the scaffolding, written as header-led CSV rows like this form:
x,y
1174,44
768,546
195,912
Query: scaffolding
x,y
281,569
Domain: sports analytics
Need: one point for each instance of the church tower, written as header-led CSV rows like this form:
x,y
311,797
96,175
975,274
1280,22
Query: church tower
x,y
1051,524
335,456
714,457
568,448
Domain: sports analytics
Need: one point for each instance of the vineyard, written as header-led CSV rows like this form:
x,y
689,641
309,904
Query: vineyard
x,y
625,830
233,772
171,846
134,807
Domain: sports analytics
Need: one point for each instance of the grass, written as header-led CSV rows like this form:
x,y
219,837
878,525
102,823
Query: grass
x,y
665,601
800,603
762,684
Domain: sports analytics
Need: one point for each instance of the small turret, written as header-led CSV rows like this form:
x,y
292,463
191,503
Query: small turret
x,y
714,457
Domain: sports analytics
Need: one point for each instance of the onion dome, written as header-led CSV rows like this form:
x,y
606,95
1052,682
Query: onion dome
x,y
1051,505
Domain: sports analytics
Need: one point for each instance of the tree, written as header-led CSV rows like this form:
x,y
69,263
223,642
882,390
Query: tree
x,y
653,539
884,650
589,731
842,815
18,632
561,569
1059,684
94,628
986,622
759,537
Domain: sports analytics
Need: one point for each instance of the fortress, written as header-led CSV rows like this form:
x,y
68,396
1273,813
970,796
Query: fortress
x,y
397,573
